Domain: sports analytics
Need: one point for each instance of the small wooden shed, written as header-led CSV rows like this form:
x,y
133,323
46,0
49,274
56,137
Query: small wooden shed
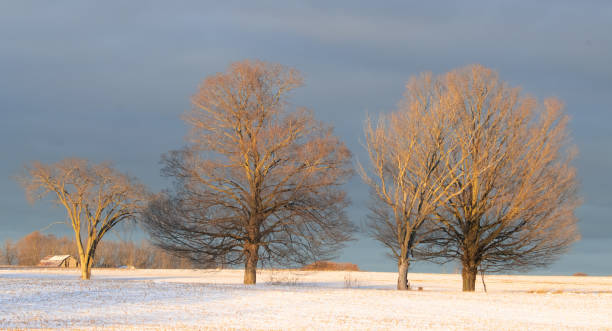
x,y
59,261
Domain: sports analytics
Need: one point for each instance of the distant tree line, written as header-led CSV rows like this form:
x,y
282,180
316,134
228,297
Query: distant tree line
x,y
466,169
29,250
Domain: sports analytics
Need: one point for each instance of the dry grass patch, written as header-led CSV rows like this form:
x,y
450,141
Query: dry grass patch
x,y
350,281
282,278
331,266
546,291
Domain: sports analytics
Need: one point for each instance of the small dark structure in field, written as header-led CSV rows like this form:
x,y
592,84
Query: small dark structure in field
x,y
59,261
331,266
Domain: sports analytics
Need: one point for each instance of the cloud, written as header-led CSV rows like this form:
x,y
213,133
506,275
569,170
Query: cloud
x,y
108,80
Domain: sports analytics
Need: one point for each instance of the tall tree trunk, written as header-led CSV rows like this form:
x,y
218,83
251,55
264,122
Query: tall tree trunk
x,y
468,274
85,268
83,261
87,259
402,274
471,259
251,255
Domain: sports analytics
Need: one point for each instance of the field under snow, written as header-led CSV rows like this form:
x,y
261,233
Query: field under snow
x,y
210,299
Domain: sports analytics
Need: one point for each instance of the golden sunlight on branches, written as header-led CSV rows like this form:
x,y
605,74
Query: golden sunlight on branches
x,y
96,198
256,181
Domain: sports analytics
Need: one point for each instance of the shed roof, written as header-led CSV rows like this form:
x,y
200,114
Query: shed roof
x,y
56,257
53,260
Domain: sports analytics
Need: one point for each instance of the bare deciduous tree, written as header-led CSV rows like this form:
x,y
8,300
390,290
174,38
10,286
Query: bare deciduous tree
x,y
140,255
413,169
256,183
513,204
9,252
96,198
31,248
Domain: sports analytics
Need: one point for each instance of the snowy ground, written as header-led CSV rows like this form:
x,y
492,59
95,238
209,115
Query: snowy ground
x,y
210,299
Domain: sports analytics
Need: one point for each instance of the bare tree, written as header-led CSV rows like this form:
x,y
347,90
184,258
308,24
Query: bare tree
x,y
112,254
412,169
9,252
513,204
257,182
96,198
31,248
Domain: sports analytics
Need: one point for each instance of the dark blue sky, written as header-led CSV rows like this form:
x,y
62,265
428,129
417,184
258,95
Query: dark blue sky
x,y
108,81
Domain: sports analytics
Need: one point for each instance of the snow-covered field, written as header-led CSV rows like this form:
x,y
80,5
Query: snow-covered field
x,y
211,299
